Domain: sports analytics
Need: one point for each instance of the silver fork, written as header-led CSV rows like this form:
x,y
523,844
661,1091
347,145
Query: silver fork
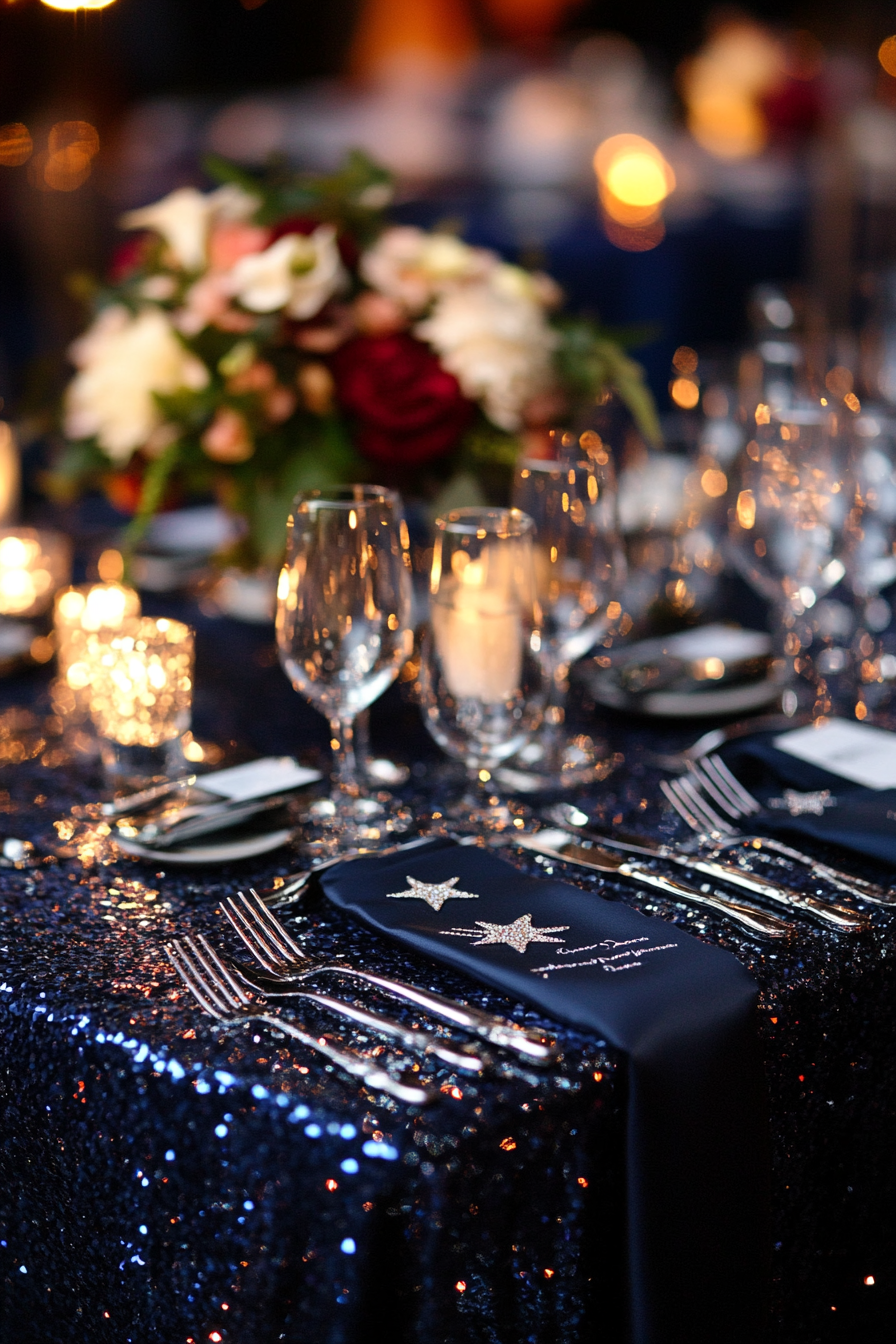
x,y
282,957
222,997
710,830
270,987
715,779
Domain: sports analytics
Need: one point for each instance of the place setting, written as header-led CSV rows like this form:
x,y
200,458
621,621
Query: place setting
x,y
447,675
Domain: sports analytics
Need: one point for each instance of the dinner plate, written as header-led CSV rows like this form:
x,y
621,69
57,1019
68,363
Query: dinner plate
x,y
224,851
687,704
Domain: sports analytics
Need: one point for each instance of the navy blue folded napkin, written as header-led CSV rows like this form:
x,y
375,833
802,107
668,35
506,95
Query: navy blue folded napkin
x,y
683,1010
853,817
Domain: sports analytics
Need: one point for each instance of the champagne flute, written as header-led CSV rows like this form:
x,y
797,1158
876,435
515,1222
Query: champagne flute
x,y
344,619
579,565
482,685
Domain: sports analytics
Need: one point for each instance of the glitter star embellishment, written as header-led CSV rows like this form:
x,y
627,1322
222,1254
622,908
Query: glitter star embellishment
x,y
517,935
435,894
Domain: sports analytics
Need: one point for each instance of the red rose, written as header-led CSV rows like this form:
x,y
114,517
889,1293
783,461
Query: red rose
x,y
409,409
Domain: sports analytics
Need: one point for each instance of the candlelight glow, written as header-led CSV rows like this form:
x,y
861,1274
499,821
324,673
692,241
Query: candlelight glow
x,y
633,180
887,55
32,566
16,145
140,681
69,6
723,84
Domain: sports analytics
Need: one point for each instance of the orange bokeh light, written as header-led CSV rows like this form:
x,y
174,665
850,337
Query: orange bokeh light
x,y
633,181
887,55
16,145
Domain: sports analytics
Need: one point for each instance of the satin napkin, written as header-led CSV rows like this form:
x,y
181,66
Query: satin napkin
x,y
856,818
697,1159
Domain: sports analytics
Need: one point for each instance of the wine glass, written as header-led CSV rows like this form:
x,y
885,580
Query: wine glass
x,y
579,564
344,619
787,523
482,685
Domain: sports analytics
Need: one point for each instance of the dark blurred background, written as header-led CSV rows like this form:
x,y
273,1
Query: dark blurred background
x,y
488,112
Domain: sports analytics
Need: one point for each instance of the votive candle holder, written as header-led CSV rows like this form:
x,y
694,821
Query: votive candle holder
x,y
140,693
33,566
85,610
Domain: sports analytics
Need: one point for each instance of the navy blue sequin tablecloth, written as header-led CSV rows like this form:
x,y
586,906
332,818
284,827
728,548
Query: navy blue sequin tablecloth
x,y
169,1181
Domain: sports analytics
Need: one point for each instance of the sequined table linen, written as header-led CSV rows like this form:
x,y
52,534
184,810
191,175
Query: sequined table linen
x,y
165,1178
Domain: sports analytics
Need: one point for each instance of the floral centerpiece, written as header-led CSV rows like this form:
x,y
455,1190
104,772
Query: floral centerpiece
x,y
281,334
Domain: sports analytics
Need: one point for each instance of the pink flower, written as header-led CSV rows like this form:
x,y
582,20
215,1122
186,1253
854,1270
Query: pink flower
x,y
227,438
229,242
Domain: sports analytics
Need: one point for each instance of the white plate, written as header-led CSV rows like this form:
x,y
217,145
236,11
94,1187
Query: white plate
x,y
224,852
683,704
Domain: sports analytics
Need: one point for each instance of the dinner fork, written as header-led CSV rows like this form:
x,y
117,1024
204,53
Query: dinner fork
x,y
709,828
726,791
270,987
280,956
222,997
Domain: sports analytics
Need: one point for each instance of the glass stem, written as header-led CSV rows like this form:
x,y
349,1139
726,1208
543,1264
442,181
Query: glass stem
x,y
558,685
345,767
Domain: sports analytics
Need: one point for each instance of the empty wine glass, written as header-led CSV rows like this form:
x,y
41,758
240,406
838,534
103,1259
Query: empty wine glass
x,y
787,526
343,619
482,685
579,565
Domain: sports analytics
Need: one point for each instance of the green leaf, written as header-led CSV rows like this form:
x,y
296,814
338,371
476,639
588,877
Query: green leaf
x,y
152,493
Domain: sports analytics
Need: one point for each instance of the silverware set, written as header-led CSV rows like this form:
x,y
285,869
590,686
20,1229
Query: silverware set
x,y
283,972
228,989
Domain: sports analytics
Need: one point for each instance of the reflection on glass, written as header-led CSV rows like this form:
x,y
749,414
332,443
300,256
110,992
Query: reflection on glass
x,y
481,679
791,500
578,569
343,612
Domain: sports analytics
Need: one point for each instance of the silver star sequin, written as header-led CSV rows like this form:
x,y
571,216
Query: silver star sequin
x,y
435,894
804,804
517,935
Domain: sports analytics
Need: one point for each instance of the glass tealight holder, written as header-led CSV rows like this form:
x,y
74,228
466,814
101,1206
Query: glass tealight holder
x,y
482,682
140,680
78,613
33,566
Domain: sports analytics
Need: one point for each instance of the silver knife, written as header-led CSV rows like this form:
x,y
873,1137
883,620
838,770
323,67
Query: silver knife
x,y
826,912
560,845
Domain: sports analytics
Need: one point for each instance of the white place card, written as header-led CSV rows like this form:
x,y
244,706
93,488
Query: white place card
x,y
257,779
852,750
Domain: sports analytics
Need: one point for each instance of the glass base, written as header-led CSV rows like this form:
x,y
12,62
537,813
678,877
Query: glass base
x,y
554,761
132,767
343,822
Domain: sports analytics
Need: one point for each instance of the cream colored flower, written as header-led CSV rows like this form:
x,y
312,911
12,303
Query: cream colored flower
x,y
122,360
297,274
412,266
494,338
185,217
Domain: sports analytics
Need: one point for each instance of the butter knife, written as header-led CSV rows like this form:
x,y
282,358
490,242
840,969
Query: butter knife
x,y
557,844
825,912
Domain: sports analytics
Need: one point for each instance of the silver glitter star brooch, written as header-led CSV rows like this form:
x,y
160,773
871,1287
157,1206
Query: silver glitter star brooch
x,y
435,894
517,935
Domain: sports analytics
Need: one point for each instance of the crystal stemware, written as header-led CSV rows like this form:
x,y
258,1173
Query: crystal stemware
x,y
344,620
792,497
482,683
579,564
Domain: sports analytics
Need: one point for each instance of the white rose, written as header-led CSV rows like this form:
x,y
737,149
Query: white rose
x,y
495,340
297,274
122,360
185,216
411,266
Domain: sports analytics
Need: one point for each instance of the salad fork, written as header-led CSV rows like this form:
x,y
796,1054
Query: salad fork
x,y
714,778
282,957
222,997
270,987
